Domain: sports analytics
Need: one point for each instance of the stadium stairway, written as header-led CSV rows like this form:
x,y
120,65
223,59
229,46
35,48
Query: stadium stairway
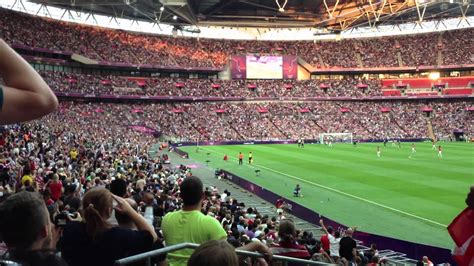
x,y
392,118
320,59
359,59
430,129
232,127
278,128
439,59
208,178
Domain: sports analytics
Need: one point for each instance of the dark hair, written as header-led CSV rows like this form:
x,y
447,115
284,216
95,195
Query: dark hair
x,y
214,253
287,230
330,229
118,187
23,217
191,190
26,170
96,205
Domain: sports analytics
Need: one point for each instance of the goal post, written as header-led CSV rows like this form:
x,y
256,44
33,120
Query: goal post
x,y
324,138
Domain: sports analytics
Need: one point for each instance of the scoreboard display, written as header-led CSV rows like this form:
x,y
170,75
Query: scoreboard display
x,y
264,67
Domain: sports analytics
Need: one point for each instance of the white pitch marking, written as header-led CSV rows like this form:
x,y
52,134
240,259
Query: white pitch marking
x,y
343,193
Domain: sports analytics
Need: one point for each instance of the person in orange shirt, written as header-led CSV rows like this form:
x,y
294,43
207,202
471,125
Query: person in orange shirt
x,y
241,158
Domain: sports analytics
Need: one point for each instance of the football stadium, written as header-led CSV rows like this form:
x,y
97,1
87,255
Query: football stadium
x,y
236,132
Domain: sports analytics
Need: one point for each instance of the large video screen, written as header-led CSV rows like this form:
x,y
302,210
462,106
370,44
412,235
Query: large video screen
x,y
264,67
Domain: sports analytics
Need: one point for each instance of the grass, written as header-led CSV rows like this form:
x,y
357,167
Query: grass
x,y
405,196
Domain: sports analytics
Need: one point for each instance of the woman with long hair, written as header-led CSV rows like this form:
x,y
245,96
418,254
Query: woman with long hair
x,y
288,246
94,241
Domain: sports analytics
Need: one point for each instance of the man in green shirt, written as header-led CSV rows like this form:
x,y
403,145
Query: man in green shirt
x,y
190,224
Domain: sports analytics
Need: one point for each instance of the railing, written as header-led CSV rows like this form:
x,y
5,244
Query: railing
x,y
8,263
147,256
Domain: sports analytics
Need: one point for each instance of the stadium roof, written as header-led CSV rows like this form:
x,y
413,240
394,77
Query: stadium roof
x,y
260,19
333,15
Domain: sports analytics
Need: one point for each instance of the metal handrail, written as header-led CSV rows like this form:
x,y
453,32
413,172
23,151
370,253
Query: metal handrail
x,y
154,253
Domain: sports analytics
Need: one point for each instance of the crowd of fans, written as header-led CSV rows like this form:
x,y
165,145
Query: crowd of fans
x,y
135,48
81,160
88,182
203,121
453,114
106,84
76,155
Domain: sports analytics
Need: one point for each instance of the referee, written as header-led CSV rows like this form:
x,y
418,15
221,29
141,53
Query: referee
x,y
250,157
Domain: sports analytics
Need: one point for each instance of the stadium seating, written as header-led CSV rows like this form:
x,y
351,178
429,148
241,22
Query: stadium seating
x,y
246,121
96,84
114,140
427,87
134,48
83,125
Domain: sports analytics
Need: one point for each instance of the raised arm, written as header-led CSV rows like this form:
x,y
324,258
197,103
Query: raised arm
x,y
25,95
322,226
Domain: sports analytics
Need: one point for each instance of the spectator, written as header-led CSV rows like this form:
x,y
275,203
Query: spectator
x,y
470,198
288,246
95,242
55,186
189,224
347,246
332,241
427,261
214,253
26,229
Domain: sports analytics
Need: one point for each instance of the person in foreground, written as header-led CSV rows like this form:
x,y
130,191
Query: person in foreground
x,y
190,224
94,241
288,246
25,95
26,229
220,252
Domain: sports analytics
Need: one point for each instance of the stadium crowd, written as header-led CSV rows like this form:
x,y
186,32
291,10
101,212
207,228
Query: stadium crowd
x,y
74,156
203,121
76,165
90,181
135,48
98,84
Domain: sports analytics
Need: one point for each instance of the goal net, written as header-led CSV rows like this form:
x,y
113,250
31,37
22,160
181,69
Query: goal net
x,y
325,138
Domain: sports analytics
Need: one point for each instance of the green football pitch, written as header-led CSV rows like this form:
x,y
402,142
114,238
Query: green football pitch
x,y
402,195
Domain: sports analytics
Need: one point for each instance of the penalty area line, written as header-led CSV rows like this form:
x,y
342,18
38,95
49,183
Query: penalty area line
x,y
341,192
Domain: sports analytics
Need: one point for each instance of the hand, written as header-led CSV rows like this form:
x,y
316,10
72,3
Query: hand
x,y
259,247
264,249
76,217
56,233
122,205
